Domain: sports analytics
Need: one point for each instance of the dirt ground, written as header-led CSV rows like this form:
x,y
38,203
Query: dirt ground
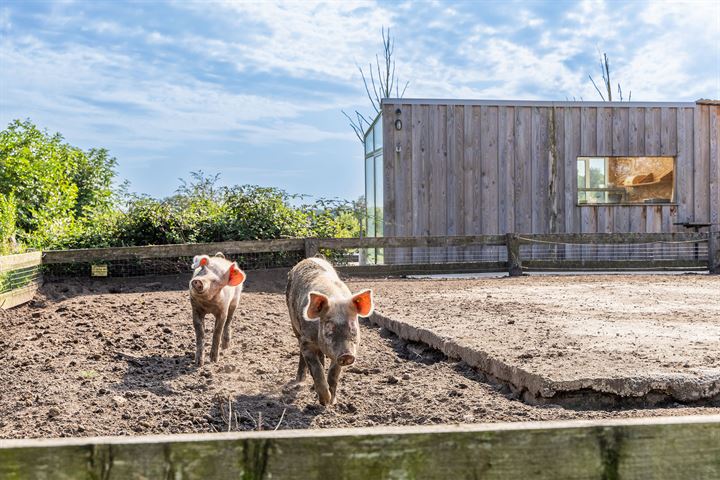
x,y
615,334
114,357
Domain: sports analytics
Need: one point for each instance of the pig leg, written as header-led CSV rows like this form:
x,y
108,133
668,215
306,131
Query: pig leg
x,y
302,369
226,329
217,333
333,377
318,374
199,337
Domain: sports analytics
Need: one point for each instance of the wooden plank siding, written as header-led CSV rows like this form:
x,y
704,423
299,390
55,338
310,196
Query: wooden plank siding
x,y
482,168
658,448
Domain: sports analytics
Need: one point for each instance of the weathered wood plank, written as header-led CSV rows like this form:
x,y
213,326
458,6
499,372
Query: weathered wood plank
x,y
539,169
506,175
557,149
489,173
621,131
668,131
164,251
652,131
391,169
659,448
523,172
455,224
572,151
16,297
472,173
21,260
637,131
604,131
408,164
714,166
438,169
606,218
428,241
419,139
588,132
622,219
701,165
684,165
638,224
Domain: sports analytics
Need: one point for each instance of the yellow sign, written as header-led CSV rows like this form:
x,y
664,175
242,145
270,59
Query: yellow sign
x,y
99,271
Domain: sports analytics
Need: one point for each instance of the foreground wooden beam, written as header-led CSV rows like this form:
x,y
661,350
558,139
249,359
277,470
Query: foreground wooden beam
x,y
659,448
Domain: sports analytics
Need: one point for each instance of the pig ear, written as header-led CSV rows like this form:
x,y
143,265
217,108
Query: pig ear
x,y
317,303
236,276
200,261
363,303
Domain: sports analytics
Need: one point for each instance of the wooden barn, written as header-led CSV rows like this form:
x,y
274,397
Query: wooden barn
x,y
466,167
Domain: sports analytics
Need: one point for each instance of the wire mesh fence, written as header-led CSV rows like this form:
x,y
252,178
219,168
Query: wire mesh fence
x,y
19,278
486,253
690,254
433,255
166,265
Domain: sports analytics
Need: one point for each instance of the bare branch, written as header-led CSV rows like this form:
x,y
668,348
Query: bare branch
x,y
379,82
367,88
596,87
356,128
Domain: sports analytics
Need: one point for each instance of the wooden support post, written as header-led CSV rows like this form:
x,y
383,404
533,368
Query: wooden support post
x,y
311,247
513,255
713,253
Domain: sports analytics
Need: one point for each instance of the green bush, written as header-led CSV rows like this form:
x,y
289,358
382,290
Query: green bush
x,y
56,186
55,196
8,221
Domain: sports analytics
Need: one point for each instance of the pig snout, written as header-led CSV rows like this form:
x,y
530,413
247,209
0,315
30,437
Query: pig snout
x,y
197,285
346,359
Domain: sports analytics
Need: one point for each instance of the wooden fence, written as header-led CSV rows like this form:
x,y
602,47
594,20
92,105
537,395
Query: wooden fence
x,y
658,448
20,277
515,263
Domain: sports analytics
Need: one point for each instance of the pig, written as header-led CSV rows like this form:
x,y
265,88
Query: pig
x,y
324,316
215,288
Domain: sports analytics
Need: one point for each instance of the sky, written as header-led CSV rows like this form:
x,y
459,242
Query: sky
x,y
254,90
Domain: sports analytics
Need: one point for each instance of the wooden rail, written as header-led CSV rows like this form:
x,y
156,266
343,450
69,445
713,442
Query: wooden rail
x,y
22,260
10,265
165,251
658,448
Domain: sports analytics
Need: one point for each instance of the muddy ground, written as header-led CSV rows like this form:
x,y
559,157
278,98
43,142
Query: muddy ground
x,y
115,357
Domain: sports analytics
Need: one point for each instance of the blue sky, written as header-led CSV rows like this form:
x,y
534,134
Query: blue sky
x,y
254,90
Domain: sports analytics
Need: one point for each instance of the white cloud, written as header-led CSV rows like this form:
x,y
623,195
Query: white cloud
x,y
302,39
93,92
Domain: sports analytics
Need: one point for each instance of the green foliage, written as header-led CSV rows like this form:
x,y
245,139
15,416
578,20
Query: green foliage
x,y
8,222
57,187
55,196
202,212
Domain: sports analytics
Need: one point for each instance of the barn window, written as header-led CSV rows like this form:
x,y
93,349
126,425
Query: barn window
x,y
613,180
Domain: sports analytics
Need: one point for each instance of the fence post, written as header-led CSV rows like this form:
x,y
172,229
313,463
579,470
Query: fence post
x,y
713,254
513,254
311,247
